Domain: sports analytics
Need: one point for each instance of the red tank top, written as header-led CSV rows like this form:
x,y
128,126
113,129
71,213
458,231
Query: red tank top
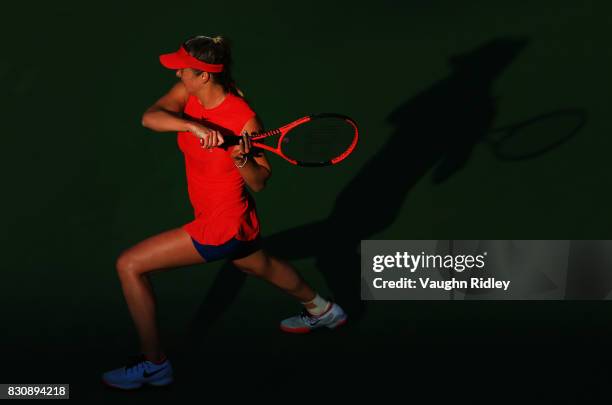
x,y
223,208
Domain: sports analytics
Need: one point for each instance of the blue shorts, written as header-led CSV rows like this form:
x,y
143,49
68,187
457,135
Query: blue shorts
x,y
232,249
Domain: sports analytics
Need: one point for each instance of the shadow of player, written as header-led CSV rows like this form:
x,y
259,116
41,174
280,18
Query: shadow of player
x,y
436,129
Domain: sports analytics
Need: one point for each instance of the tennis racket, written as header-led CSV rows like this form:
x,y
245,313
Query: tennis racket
x,y
313,141
537,135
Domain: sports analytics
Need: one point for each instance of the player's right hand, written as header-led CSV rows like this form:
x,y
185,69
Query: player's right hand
x,y
209,138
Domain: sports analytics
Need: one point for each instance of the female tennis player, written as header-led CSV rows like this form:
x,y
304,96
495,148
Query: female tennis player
x,y
205,108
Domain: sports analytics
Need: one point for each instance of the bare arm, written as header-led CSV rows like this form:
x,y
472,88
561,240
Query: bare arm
x,y
256,170
165,116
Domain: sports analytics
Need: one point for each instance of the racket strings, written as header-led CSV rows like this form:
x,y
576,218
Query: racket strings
x,y
318,140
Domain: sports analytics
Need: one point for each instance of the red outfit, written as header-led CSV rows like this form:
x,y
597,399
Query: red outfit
x,y
223,208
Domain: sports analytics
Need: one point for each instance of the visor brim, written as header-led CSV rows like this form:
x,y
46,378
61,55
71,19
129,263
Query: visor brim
x,y
173,61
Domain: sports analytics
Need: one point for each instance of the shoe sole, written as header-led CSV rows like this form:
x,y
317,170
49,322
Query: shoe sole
x,y
338,323
161,383
297,331
303,331
120,388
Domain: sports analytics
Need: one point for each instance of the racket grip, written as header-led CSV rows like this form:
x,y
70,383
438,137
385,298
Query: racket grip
x,y
231,140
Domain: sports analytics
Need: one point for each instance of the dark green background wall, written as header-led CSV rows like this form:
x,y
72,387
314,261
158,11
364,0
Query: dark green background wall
x,y
83,180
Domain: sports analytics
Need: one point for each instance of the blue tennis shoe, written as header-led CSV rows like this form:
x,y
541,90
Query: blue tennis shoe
x,y
139,372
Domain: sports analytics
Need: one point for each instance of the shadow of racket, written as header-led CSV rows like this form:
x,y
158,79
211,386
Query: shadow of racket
x,y
534,137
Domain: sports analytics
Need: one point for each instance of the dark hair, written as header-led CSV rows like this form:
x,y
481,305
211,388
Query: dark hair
x,y
214,50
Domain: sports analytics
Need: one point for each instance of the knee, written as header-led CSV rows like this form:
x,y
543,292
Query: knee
x,y
250,270
259,269
246,270
127,265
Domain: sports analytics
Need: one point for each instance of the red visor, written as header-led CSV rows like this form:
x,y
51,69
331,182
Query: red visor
x,y
181,59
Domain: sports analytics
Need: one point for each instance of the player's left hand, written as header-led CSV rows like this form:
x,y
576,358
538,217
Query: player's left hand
x,y
242,149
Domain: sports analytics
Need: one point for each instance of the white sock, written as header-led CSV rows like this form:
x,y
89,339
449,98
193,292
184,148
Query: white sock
x,y
321,305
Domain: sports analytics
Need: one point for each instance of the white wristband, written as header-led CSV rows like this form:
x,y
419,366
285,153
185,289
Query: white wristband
x,y
243,163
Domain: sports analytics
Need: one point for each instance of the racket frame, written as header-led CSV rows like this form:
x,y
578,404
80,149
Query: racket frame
x,y
284,130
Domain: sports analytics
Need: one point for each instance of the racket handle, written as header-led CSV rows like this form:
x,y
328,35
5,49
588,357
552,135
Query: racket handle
x,y
231,141
235,140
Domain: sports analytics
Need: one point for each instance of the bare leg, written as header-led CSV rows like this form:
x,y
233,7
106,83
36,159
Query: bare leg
x,y
277,272
167,250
